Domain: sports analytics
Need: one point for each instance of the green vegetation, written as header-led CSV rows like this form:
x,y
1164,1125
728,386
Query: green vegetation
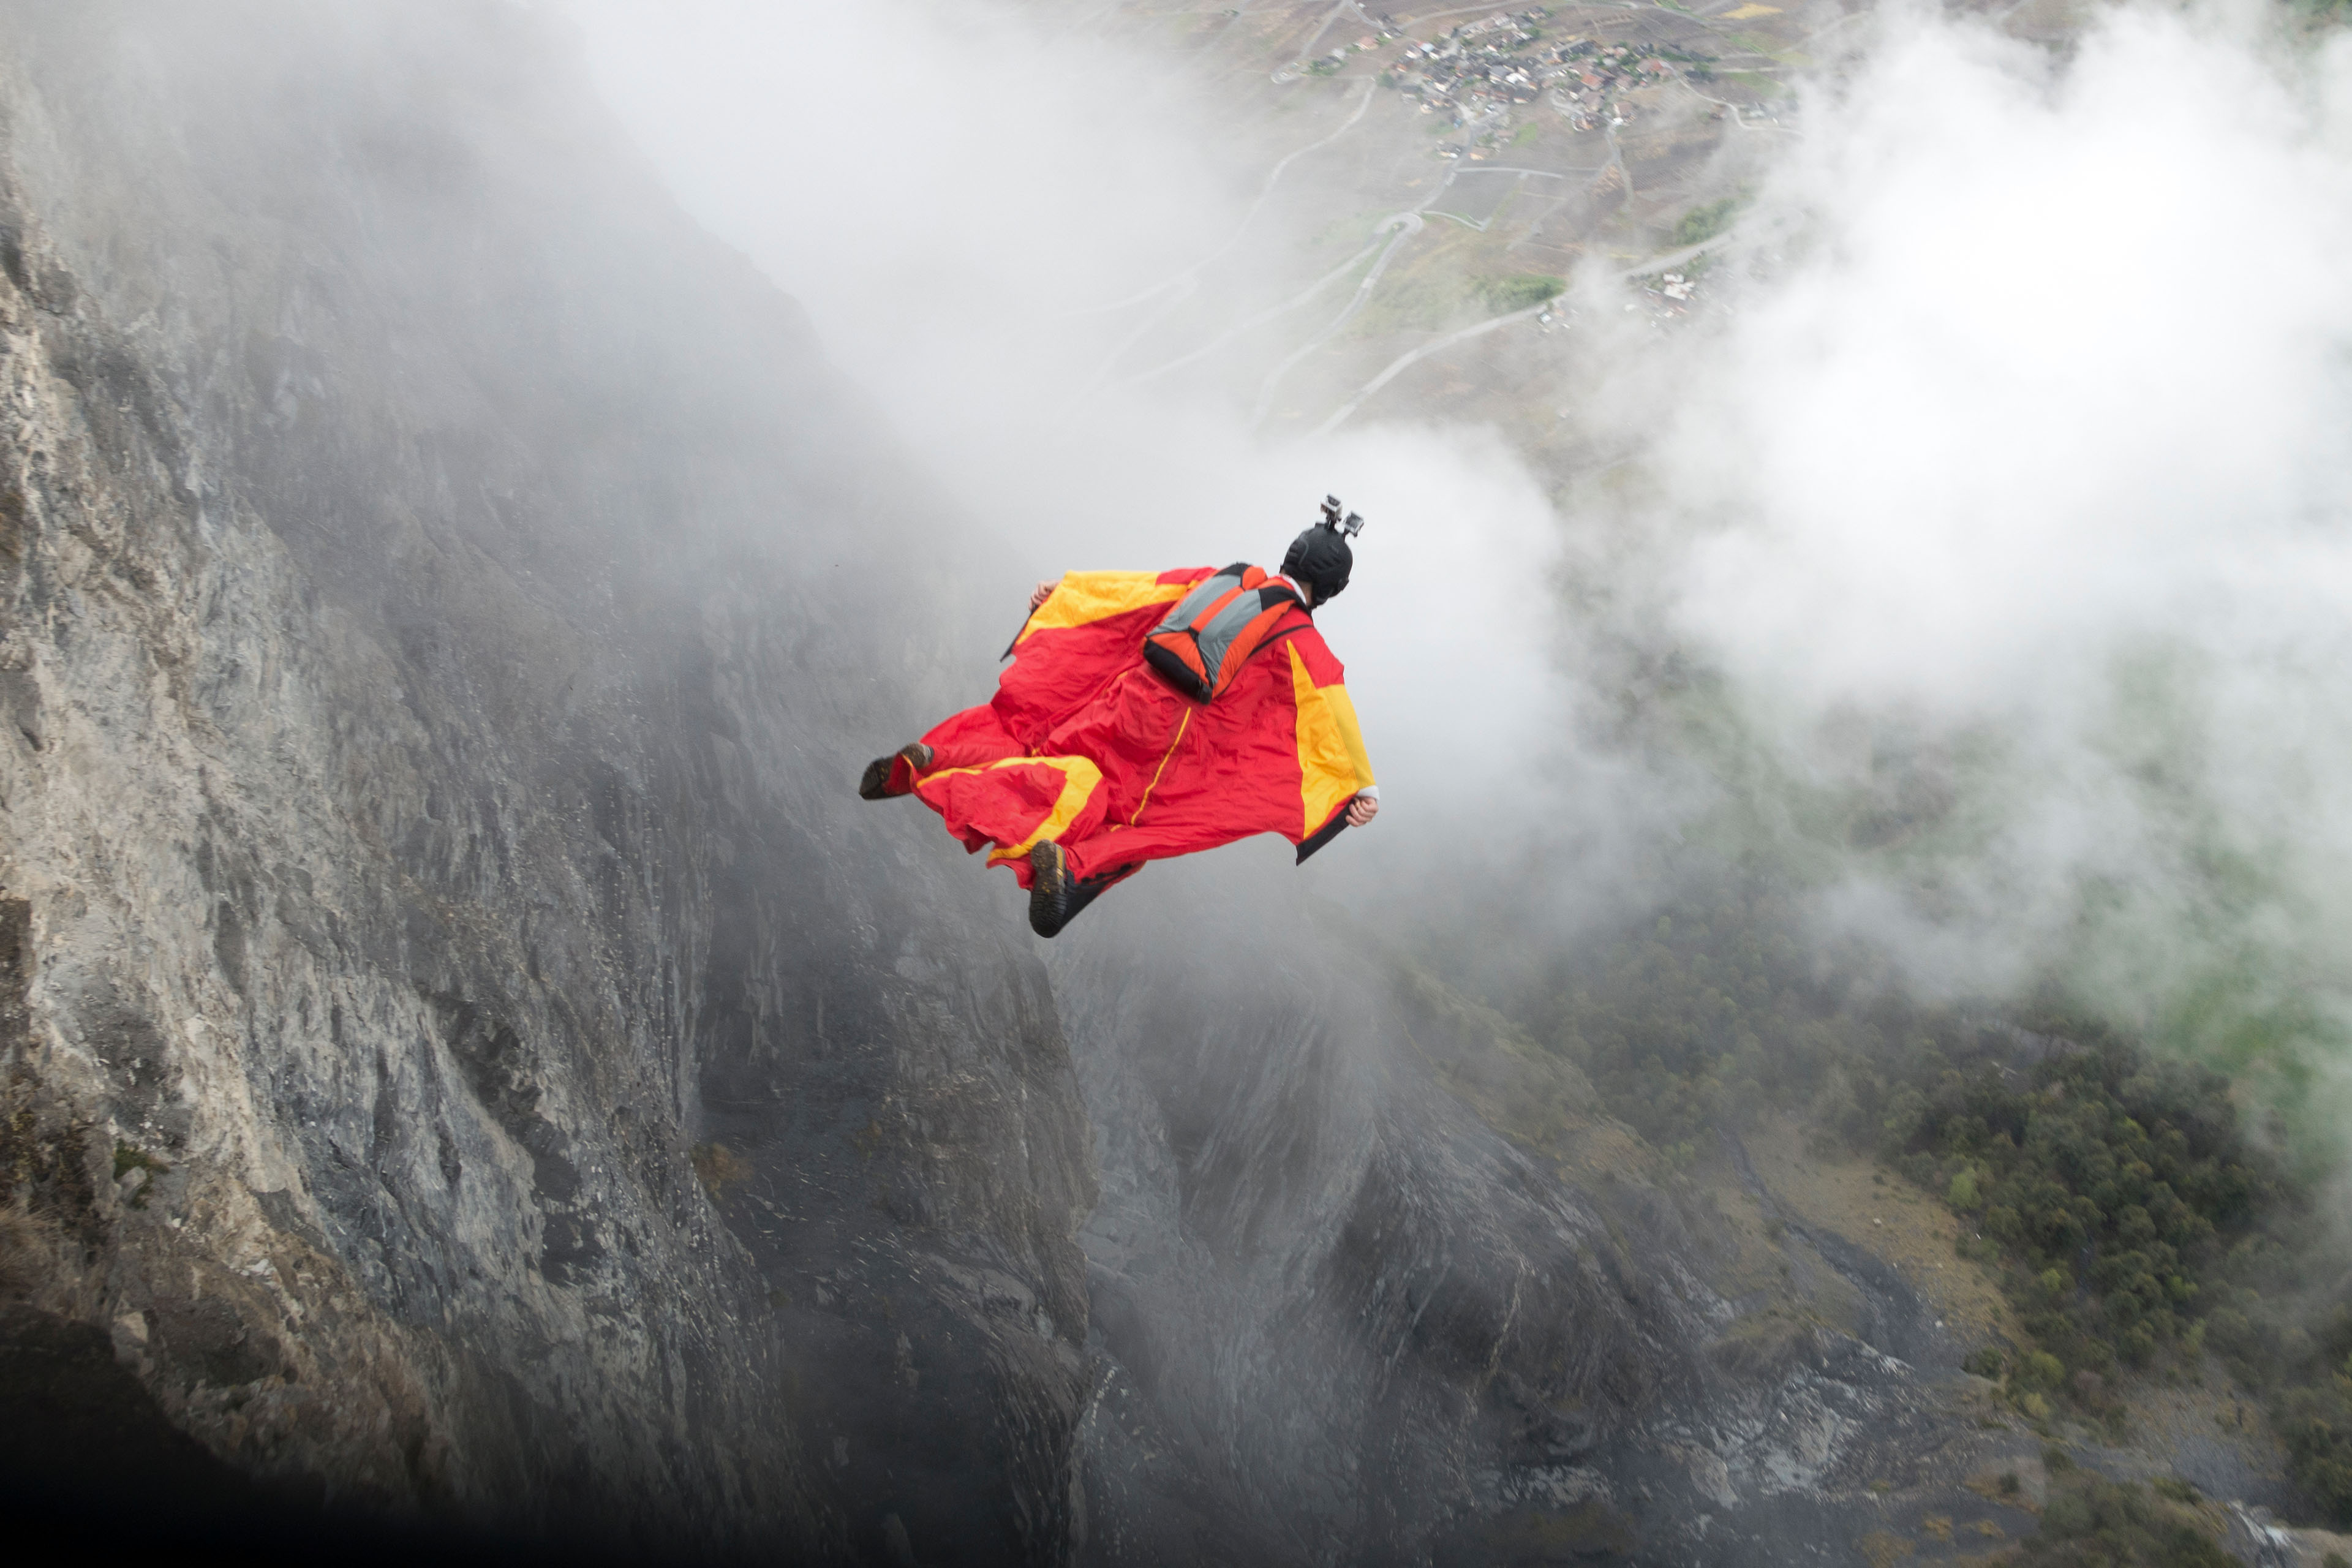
x,y
2110,1187
1448,279
2307,1377
1526,134
1517,291
130,1157
1706,222
2227,956
2137,1222
1705,1019
1424,294
2094,1523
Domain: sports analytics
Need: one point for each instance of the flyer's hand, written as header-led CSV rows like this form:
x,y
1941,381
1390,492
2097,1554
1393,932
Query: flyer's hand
x,y
1362,809
1040,594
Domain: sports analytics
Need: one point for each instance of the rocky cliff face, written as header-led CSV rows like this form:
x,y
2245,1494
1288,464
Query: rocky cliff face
x,y
1374,1283
468,1051
465,1044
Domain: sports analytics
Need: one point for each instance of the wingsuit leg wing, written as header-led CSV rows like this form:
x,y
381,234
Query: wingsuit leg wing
x,y
1010,806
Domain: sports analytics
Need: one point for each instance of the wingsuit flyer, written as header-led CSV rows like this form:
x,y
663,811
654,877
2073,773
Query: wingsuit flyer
x,y
1149,714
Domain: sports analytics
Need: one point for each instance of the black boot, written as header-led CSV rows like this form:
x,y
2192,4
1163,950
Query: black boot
x,y
874,783
1054,896
1049,889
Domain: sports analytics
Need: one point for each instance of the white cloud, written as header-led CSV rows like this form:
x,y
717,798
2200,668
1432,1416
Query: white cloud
x,y
949,189
2032,446
2013,493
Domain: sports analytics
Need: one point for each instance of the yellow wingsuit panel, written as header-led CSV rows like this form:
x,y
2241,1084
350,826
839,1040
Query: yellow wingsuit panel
x,y
1343,713
1079,777
1081,598
1331,762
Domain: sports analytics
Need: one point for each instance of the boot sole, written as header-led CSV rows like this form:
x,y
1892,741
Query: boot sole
x,y
1048,886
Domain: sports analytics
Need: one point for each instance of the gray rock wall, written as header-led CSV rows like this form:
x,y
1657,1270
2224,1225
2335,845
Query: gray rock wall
x,y
467,1050
1342,1316
462,1039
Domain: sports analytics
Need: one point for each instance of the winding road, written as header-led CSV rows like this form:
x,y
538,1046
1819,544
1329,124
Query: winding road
x,y
1407,225
1363,102
1403,362
1398,227
1250,324
1306,49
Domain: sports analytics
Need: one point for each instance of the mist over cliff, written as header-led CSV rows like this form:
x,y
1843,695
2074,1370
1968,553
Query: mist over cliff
x,y
1965,586
424,814
477,480
2010,571
2023,552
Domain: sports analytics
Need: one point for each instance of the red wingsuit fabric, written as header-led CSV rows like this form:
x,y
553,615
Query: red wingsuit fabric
x,y
1083,744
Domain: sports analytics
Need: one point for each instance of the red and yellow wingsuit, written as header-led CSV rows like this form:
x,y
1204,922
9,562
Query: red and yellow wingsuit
x,y
1085,745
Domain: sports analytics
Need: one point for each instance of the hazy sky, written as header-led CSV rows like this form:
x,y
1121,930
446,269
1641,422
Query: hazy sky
x,y
2018,466
2028,457
950,221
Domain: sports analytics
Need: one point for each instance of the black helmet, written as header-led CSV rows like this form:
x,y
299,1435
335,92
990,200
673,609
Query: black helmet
x,y
1320,556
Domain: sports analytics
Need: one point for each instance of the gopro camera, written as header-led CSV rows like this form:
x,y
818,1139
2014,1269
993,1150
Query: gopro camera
x,y
1353,525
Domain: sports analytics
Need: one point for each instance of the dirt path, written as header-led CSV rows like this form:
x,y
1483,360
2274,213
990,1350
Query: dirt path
x,y
1909,1231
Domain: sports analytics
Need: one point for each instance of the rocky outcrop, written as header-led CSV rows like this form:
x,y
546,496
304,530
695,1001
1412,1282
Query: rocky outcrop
x,y
1343,1314
464,1044
465,1053
1375,1282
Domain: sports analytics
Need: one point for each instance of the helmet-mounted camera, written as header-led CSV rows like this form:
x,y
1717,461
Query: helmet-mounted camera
x,y
1348,527
1319,557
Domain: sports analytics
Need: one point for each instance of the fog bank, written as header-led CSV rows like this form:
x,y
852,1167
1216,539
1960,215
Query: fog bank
x,y
1994,539
2008,507
956,194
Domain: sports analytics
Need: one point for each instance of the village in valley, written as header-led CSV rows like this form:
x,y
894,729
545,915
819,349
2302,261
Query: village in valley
x,y
1476,75
1465,167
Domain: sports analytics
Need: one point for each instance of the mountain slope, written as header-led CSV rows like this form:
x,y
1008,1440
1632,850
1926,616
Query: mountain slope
x,y
443,593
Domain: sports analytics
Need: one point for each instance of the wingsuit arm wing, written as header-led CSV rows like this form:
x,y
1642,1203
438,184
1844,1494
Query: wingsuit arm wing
x,y
1333,766
1342,710
1086,598
1089,629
